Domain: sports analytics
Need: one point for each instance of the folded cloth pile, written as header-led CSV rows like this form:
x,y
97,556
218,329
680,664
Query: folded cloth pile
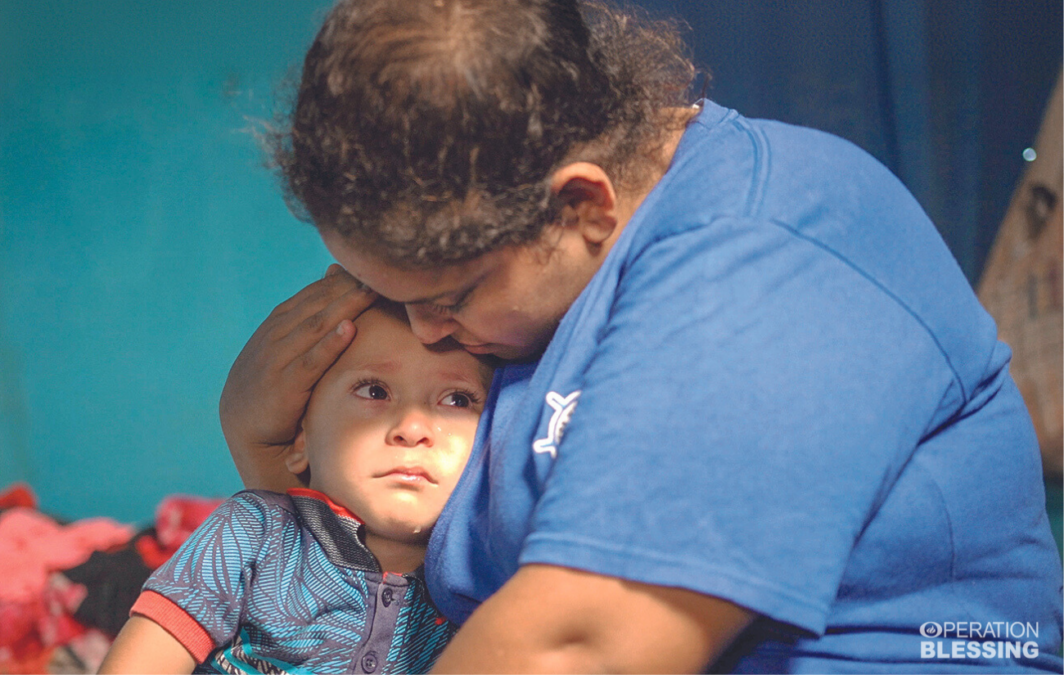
x,y
66,588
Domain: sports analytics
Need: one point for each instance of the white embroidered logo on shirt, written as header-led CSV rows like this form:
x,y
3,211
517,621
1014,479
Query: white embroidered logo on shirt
x,y
563,409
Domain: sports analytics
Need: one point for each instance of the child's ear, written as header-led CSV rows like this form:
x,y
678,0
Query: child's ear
x,y
296,459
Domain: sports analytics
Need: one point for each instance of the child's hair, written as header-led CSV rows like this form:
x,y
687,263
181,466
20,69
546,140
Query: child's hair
x,y
426,130
396,309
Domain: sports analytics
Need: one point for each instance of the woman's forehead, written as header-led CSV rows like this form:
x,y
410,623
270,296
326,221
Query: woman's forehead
x,y
401,284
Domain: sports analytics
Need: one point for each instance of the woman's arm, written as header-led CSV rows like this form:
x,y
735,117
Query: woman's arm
x,y
549,619
270,383
143,646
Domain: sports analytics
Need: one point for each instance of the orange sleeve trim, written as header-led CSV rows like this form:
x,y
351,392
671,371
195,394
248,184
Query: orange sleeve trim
x,y
176,622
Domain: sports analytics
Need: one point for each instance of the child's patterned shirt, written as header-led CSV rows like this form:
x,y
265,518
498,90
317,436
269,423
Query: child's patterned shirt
x,y
275,583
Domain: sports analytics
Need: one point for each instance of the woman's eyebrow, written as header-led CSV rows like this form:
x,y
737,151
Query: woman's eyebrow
x,y
424,301
456,296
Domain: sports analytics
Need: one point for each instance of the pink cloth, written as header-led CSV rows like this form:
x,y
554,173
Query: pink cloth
x,y
37,604
32,546
175,519
177,516
35,614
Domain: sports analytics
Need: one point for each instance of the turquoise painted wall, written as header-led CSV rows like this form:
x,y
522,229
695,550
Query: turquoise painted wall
x,y
141,238
142,241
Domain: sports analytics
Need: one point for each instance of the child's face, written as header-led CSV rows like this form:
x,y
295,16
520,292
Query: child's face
x,y
389,427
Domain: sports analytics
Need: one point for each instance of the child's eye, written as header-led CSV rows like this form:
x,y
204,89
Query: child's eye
x,y
460,399
371,390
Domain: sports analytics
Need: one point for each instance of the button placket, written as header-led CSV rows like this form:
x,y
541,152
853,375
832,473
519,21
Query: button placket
x,y
382,626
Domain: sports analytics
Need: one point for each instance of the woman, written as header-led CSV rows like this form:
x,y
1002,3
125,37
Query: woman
x,y
752,405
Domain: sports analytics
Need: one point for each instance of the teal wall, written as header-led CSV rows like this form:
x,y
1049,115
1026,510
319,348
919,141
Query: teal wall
x,y
141,238
142,241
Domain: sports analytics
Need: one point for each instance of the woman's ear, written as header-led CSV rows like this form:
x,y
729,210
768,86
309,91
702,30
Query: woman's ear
x,y
296,460
589,198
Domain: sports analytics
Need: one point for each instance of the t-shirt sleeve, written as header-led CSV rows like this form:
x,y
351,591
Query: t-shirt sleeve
x,y
198,595
751,400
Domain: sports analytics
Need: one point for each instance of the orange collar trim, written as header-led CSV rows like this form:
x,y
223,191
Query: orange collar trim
x,y
339,510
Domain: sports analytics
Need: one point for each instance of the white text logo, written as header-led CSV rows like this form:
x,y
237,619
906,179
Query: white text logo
x,y
975,639
563,407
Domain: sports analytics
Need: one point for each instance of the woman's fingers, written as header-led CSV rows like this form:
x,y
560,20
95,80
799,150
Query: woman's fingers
x,y
270,382
312,299
313,363
334,269
317,321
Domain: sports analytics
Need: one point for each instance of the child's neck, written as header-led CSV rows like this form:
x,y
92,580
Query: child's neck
x,y
395,556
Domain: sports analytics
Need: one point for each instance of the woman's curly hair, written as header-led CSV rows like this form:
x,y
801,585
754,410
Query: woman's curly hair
x,y
427,130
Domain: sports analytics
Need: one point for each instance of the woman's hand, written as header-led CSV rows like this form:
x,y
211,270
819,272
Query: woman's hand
x,y
270,383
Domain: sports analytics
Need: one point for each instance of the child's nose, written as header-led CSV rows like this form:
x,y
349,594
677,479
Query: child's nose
x,y
413,428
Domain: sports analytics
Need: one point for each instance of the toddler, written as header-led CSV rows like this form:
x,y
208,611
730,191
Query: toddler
x,y
327,578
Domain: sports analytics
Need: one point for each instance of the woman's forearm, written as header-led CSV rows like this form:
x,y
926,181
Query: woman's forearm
x,y
549,619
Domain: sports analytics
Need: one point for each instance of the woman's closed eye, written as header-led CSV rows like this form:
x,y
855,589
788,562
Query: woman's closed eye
x,y
456,305
443,310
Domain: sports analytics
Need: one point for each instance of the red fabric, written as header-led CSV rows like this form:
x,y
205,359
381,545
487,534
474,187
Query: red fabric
x,y
32,546
152,552
18,494
36,603
176,622
175,519
34,617
60,599
179,515
21,647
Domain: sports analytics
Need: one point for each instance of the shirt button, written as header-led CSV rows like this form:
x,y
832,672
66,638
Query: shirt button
x,y
386,597
369,662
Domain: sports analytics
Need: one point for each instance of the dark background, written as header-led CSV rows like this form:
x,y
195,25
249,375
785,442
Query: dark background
x,y
946,93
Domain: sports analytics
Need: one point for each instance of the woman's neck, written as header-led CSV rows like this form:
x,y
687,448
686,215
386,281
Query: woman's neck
x,y
655,163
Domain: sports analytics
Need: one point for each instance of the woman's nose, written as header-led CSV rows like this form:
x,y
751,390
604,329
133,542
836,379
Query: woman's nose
x,y
413,428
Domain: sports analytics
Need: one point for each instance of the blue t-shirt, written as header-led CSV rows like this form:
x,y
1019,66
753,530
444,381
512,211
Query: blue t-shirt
x,y
780,390
274,583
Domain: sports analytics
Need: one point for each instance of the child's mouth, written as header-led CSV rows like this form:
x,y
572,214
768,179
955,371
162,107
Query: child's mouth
x,y
410,474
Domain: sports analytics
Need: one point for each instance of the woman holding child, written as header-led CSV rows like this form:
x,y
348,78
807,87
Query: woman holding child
x,y
752,414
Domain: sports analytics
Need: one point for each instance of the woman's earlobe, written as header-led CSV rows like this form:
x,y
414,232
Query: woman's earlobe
x,y
596,224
